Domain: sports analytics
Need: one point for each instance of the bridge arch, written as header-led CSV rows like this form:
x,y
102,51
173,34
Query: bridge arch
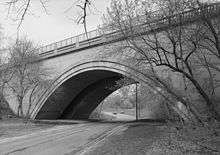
x,y
79,90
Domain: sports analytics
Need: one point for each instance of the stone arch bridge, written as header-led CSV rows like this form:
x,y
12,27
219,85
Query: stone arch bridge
x,y
81,77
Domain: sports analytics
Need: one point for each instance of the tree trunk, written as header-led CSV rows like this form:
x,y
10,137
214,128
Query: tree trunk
x,y
209,103
20,107
183,101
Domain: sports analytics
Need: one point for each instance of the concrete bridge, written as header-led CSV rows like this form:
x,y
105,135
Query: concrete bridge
x,y
82,77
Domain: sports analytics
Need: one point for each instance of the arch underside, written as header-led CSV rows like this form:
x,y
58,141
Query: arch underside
x,y
81,88
78,96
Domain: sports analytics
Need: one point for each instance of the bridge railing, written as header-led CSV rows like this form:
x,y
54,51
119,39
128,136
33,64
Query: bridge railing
x,y
75,41
71,41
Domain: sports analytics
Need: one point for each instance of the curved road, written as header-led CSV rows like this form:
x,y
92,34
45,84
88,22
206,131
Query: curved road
x,y
62,139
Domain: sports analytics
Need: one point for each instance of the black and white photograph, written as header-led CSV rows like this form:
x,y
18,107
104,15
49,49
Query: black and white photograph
x,y
109,77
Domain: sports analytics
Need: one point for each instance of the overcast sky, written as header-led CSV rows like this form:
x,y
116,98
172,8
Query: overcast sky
x,y
58,25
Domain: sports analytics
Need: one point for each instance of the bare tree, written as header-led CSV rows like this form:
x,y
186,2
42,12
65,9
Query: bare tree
x,y
26,75
4,77
82,18
170,44
22,8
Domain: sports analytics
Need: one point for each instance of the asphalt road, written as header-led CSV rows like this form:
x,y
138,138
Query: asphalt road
x,y
62,139
119,117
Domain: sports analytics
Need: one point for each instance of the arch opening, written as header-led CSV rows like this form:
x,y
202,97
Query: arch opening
x,y
81,84
79,95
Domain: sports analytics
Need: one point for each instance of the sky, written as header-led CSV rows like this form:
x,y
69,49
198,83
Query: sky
x,y
57,25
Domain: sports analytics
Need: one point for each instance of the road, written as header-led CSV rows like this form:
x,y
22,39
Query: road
x,y
61,139
119,117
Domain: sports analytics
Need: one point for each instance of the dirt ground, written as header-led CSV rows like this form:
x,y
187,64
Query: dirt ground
x,y
149,139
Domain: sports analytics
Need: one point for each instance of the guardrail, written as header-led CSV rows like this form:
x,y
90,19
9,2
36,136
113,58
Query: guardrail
x,y
86,38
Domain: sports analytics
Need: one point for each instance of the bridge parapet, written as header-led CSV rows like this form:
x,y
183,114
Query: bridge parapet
x,y
97,37
74,41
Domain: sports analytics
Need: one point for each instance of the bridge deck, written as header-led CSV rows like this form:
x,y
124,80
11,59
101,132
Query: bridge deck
x,y
97,37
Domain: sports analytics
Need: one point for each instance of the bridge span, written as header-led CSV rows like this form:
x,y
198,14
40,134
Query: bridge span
x,y
82,76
